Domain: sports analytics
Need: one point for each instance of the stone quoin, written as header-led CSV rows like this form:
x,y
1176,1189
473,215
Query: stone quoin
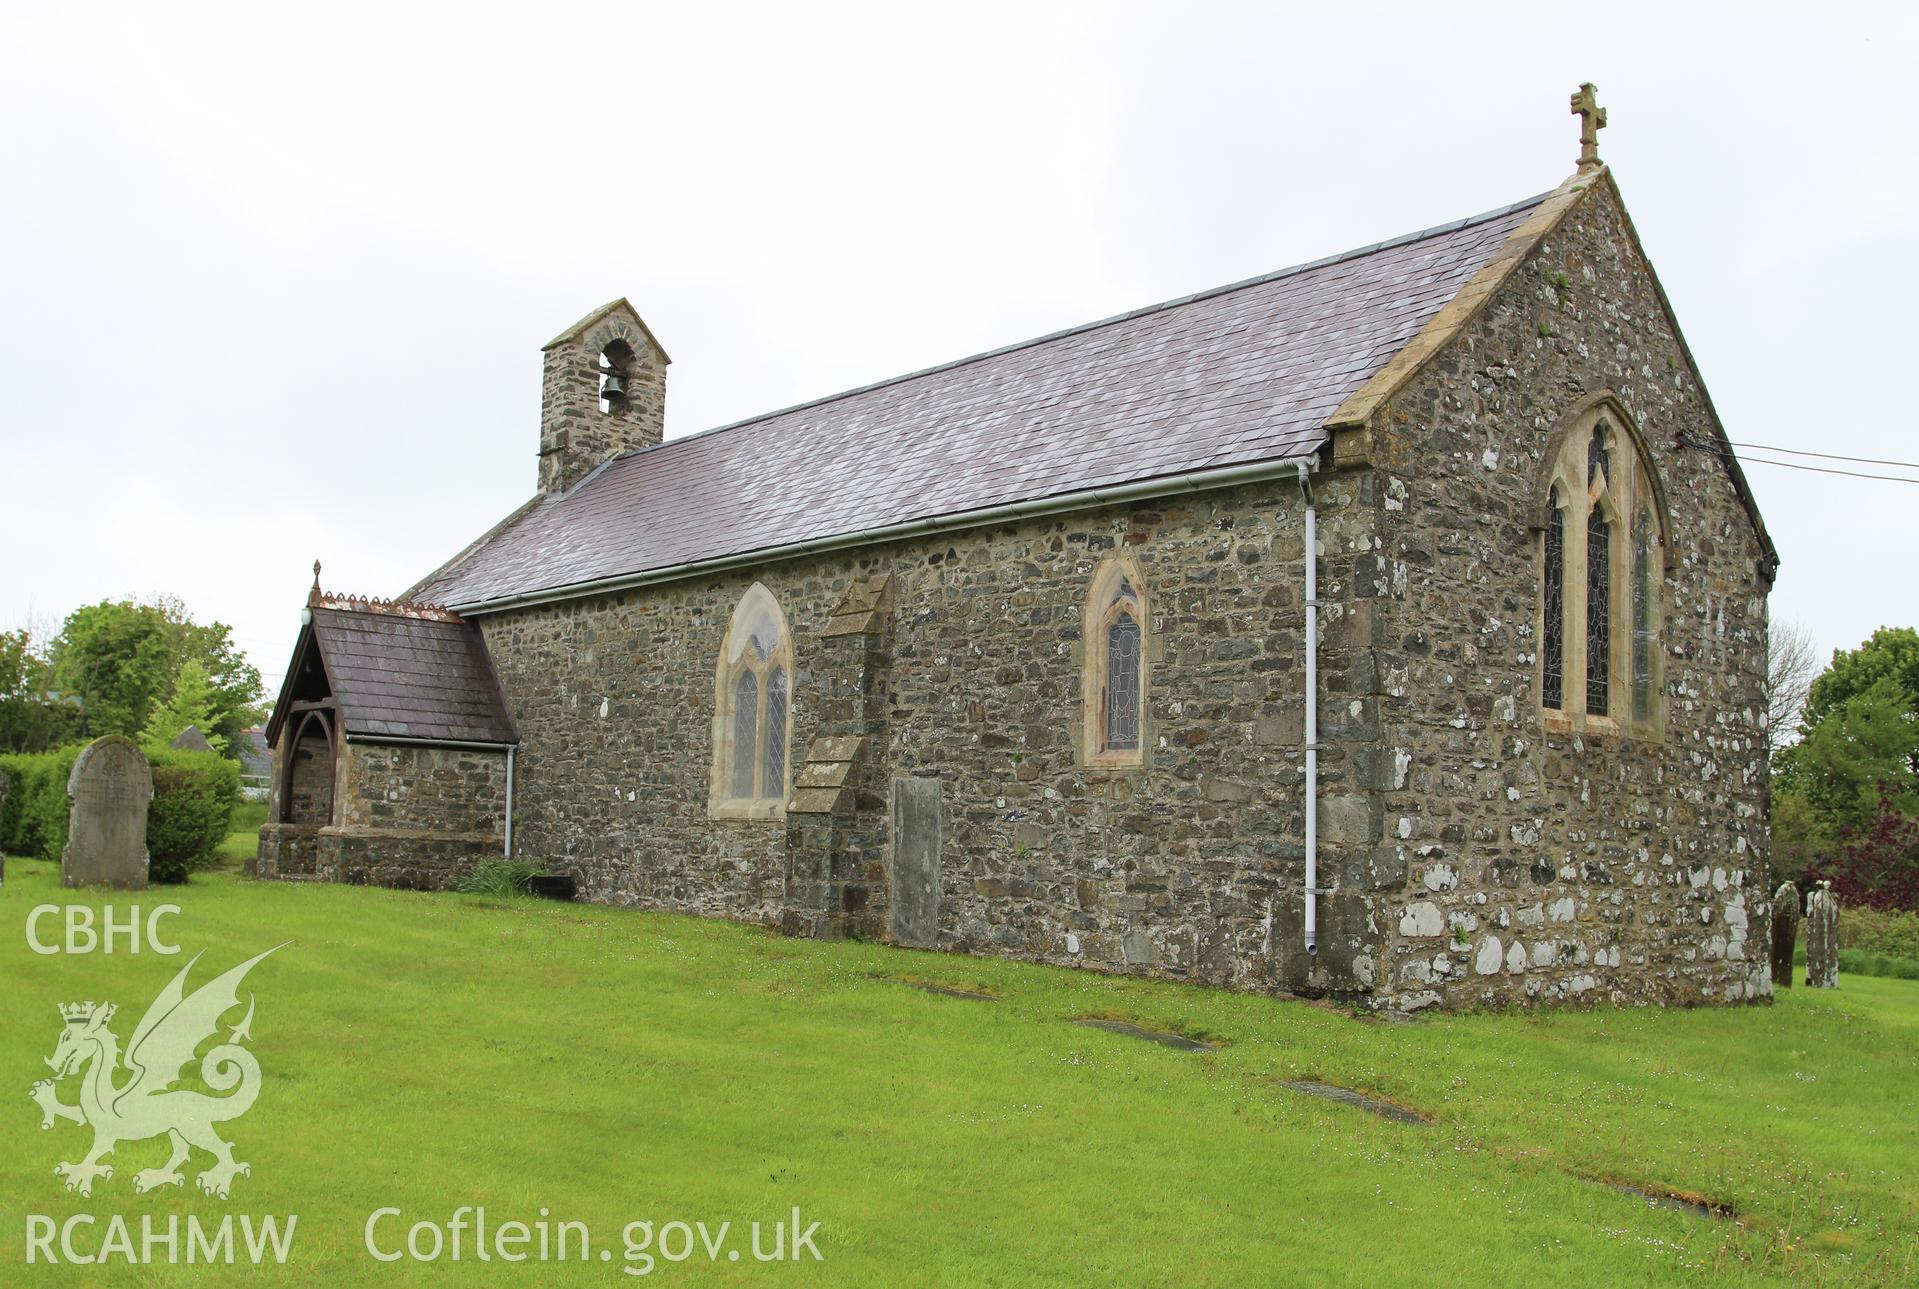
x,y
1010,656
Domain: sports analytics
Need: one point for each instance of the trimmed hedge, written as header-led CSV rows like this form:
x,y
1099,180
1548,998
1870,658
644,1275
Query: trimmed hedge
x,y
34,819
194,795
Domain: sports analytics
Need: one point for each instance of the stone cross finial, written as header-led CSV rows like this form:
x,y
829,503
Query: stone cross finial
x,y
1592,119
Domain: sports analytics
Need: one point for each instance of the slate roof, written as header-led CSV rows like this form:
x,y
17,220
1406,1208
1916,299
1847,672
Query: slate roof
x,y
256,758
191,739
399,676
1234,376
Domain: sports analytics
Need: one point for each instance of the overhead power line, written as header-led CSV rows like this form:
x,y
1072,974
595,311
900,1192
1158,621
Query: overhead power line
x,y
1716,450
1829,456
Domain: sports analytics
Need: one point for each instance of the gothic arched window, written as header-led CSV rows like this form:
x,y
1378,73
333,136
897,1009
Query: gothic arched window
x,y
1553,627
1116,634
1598,610
752,711
1642,597
1600,580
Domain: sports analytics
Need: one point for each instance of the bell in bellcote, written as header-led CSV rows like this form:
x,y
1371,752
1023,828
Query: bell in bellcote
x,y
613,387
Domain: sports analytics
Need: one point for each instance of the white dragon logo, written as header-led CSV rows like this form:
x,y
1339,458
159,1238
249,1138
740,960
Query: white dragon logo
x,y
162,1045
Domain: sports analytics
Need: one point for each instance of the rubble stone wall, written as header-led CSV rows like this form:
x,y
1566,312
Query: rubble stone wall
x,y
1190,865
1551,863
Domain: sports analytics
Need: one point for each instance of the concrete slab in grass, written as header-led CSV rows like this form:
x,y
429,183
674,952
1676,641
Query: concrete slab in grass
x,y
1130,1030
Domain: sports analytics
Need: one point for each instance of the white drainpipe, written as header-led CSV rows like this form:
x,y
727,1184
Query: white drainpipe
x,y
1312,712
509,801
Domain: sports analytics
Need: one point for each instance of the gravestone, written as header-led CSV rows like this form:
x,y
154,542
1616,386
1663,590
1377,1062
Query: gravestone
x,y
1785,933
916,862
110,788
1822,938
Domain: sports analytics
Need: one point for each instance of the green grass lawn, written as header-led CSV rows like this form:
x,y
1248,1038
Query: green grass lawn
x,y
425,1052
243,842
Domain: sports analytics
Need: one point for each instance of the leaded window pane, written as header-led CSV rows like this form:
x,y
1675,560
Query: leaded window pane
x,y
1122,683
1598,456
1642,593
775,757
1553,652
746,743
1598,612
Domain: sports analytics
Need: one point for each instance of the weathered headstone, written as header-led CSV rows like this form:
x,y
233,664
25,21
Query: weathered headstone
x,y
1822,938
916,862
1785,933
110,788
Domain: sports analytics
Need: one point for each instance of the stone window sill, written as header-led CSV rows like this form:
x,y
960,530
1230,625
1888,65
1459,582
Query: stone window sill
x,y
765,812
1608,727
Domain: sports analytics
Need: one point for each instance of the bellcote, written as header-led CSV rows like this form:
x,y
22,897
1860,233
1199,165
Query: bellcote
x,y
603,392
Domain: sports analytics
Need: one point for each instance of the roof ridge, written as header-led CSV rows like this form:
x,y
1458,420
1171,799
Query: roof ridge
x,y
372,606
1275,275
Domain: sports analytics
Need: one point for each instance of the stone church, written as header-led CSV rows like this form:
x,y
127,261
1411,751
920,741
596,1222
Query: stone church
x,y
1390,627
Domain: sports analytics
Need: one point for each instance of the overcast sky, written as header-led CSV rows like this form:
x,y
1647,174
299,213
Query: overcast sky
x,y
274,279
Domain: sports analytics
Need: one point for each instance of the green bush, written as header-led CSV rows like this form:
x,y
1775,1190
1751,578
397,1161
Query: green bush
x,y
1879,931
194,794
33,820
1881,964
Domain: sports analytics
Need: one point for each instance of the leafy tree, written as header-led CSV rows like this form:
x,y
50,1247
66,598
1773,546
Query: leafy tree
x,y
1891,654
1840,792
237,691
1862,753
16,653
1877,865
122,661
192,705
1800,839
117,658
31,719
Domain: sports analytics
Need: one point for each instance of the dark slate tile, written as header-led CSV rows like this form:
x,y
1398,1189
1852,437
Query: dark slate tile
x,y
1233,376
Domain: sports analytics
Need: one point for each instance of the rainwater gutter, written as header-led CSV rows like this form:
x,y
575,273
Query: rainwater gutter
x,y
1086,499
402,740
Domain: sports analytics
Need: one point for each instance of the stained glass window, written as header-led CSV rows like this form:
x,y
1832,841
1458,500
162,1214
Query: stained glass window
x,y
1642,593
1598,612
753,716
1122,683
774,778
1601,477
1553,652
746,717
